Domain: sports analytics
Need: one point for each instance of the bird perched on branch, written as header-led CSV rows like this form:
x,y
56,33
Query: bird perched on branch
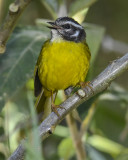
x,y
63,62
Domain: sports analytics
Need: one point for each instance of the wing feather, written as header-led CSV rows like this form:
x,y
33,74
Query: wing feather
x,y
37,83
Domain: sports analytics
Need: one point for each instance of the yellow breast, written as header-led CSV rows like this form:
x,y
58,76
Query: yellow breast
x,y
63,64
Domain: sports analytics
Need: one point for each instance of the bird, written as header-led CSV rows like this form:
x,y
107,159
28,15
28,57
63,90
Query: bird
x,y
63,62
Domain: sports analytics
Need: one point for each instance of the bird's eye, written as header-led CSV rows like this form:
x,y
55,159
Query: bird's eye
x,y
66,26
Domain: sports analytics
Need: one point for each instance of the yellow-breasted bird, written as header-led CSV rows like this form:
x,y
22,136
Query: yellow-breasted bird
x,y
63,62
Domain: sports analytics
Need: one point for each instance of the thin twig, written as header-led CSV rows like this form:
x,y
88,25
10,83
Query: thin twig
x,y
75,134
15,10
77,140
99,84
88,118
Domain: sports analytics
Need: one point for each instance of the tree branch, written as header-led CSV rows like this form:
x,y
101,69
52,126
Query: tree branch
x,y
15,10
99,84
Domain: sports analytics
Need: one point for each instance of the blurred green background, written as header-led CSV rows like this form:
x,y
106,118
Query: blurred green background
x,y
106,24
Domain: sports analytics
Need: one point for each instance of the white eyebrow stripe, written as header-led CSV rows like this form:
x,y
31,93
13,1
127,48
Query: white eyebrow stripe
x,y
74,24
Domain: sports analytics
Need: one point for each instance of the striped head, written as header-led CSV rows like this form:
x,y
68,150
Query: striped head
x,y
68,29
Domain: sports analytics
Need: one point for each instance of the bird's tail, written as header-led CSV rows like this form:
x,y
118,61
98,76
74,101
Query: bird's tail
x,y
43,106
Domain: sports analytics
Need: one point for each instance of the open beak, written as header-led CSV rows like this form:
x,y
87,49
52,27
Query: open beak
x,y
53,25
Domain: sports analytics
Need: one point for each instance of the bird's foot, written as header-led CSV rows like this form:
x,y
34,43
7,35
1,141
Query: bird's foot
x,y
87,84
55,107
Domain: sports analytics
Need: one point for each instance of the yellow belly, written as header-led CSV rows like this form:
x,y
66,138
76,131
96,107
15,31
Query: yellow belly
x,y
63,64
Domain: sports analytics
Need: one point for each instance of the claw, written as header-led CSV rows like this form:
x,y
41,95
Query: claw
x,y
88,84
55,107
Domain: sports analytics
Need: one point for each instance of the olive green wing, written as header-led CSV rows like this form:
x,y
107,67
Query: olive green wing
x,y
37,84
43,103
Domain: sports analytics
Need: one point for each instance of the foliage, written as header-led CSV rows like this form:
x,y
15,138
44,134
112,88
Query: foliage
x,y
23,47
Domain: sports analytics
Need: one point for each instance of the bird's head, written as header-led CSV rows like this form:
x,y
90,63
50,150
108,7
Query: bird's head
x,y
68,29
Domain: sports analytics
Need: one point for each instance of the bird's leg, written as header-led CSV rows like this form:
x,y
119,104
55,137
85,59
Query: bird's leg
x,y
88,84
53,106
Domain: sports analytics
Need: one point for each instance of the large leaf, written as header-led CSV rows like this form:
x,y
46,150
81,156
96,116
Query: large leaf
x,y
105,145
17,64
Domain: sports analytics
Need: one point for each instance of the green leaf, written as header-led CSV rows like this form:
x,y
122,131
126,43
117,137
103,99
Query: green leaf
x,y
77,6
105,145
66,149
80,16
17,64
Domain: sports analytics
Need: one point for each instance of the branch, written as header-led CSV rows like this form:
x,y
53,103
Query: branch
x,y
15,10
76,138
88,118
99,84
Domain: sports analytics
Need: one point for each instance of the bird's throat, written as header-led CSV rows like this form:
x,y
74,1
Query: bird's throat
x,y
55,36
